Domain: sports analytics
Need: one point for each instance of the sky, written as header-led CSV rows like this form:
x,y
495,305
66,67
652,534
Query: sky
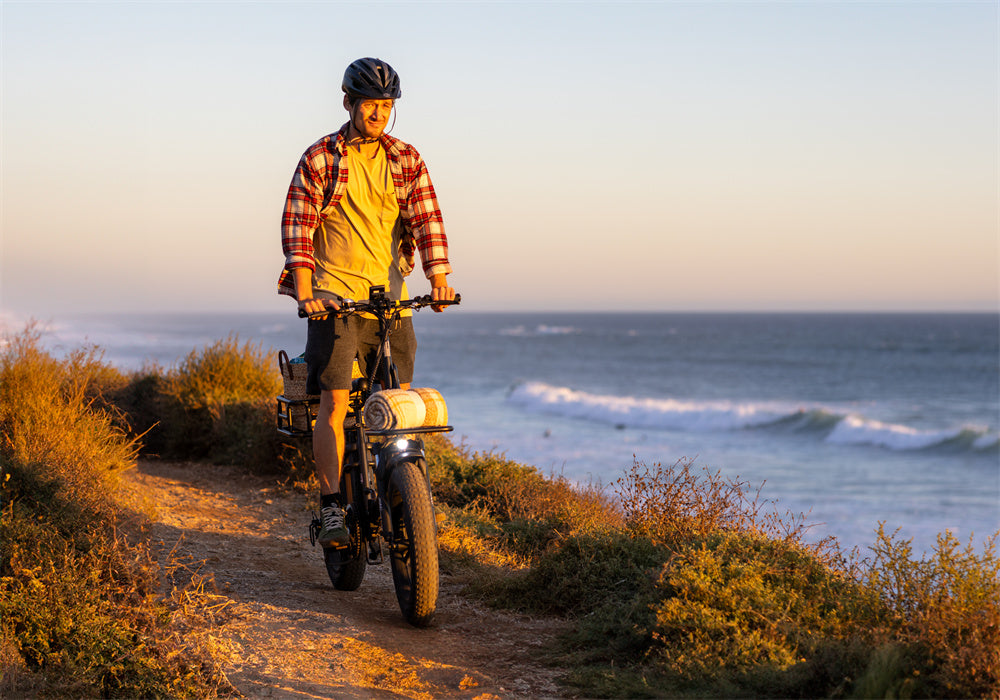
x,y
675,156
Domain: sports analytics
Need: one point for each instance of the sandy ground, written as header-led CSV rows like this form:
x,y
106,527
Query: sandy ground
x,y
289,634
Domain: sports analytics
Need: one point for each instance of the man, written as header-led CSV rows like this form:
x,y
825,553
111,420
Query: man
x,y
359,203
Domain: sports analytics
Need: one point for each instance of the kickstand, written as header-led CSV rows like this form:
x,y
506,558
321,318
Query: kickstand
x,y
314,528
375,551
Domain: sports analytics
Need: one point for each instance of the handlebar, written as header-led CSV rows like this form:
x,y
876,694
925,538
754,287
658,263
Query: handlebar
x,y
382,307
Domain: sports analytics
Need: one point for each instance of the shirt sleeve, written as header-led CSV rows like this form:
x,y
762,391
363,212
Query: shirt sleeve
x,y
301,216
425,220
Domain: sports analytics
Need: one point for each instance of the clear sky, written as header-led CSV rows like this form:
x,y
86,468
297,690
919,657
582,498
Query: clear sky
x,y
648,155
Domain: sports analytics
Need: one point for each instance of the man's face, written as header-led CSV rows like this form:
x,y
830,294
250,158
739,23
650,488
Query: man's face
x,y
369,117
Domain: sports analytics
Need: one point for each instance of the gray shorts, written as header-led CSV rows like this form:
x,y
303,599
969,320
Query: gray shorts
x,y
333,343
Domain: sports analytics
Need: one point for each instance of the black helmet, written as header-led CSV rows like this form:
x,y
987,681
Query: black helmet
x,y
372,78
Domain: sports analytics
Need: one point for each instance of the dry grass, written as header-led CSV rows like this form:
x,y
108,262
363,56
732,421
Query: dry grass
x,y
81,613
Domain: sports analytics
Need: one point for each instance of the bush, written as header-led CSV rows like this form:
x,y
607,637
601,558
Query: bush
x,y
940,632
736,601
692,587
527,512
80,613
219,404
584,573
52,420
674,505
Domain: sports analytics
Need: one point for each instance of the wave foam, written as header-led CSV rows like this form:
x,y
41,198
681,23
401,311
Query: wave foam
x,y
669,414
539,330
711,416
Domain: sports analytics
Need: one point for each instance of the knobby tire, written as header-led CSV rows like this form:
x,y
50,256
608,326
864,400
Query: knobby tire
x,y
346,566
414,551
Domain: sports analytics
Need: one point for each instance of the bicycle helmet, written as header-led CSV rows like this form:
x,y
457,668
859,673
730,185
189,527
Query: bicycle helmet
x,y
371,78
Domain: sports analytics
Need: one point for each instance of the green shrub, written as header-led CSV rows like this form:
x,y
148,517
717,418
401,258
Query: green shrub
x,y
738,600
529,512
584,573
223,373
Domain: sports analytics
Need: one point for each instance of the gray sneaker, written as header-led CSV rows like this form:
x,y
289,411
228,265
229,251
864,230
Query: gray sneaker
x,y
334,532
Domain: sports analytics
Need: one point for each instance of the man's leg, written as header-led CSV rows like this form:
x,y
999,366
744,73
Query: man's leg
x,y
328,454
328,439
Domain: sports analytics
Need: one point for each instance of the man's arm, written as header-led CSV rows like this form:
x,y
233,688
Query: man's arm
x,y
301,215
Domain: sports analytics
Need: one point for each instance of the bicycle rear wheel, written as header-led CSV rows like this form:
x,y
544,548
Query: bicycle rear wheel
x,y
346,566
414,552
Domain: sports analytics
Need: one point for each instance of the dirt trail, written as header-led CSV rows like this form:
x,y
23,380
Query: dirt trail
x,y
289,634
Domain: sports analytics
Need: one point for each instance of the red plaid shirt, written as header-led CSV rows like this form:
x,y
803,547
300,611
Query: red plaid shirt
x,y
321,179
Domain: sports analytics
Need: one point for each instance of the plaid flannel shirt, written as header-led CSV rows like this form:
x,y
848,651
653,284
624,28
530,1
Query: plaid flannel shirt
x,y
319,182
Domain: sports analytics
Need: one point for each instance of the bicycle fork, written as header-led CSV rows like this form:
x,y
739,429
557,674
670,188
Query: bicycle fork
x,y
393,452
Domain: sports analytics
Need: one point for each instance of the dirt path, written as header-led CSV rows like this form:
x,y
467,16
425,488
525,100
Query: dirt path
x,y
291,635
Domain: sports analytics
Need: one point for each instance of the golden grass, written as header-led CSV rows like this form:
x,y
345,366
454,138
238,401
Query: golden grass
x,y
81,613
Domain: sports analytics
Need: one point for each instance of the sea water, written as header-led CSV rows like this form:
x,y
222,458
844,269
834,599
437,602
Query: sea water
x,y
849,419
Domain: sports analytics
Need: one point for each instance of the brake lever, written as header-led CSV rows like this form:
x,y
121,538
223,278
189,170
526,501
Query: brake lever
x,y
426,300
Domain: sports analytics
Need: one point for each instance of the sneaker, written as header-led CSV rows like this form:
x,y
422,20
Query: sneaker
x,y
334,532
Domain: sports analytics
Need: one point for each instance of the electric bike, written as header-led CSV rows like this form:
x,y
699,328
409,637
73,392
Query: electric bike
x,y
384,480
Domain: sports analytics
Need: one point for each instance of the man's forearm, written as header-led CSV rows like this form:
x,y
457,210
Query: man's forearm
x,y
303,283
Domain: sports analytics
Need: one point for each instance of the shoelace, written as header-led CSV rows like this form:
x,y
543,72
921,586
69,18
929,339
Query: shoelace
x,y
333,518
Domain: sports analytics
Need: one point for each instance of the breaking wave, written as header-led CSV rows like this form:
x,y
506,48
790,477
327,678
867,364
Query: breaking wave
x,y
835,427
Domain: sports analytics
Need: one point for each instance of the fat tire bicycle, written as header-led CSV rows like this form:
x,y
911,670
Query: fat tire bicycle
x,y
384,481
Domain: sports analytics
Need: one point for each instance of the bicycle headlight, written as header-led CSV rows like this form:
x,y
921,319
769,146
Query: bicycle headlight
x,y
402,444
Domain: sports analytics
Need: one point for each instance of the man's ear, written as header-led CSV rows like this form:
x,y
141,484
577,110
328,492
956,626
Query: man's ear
x,y
347,102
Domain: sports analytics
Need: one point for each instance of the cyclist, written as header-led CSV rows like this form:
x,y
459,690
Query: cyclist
x,y
359,204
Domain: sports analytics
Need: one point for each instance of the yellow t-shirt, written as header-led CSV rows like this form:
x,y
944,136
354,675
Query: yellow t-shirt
x,y
357,245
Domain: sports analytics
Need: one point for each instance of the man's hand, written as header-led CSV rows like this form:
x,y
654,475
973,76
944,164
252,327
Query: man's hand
x,y
311,306
440,291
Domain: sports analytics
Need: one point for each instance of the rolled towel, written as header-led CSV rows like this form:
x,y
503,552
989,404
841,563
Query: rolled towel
x,y
394,409
434,406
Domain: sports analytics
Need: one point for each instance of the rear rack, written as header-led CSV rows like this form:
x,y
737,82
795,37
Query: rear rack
x,y
296,417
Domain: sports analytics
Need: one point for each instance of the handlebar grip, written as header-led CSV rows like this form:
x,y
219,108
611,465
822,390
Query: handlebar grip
x,y
426,299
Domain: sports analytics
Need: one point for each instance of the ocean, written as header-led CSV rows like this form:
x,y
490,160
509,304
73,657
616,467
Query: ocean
x,y
849,419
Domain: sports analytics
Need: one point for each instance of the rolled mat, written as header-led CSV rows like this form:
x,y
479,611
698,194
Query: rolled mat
x,y
394,409
434,406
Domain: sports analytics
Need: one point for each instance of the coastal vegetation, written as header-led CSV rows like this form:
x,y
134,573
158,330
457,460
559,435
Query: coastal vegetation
x,y
85,608
676,580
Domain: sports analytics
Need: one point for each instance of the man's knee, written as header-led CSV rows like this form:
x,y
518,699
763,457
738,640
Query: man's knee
x,y
333,406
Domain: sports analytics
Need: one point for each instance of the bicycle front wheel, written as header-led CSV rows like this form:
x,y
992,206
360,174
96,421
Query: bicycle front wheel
x,y
414,551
